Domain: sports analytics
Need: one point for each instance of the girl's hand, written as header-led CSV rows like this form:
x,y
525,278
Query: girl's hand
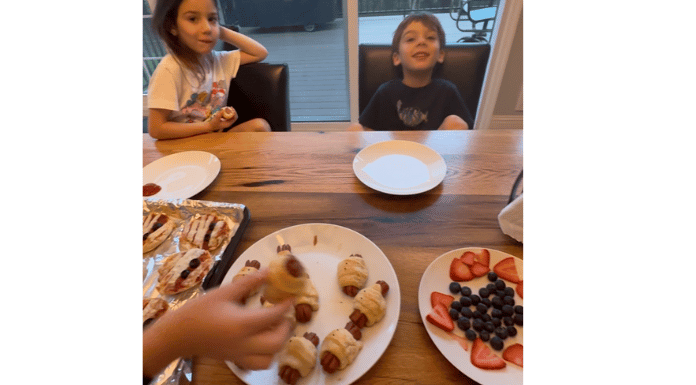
x,y
219,123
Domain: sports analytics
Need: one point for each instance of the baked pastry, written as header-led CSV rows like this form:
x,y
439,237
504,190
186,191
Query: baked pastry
x,y
369,305
228,113
249,268
307,302
286,276
298,358
183,270
153,308
156,228
352,274
205,231
339,350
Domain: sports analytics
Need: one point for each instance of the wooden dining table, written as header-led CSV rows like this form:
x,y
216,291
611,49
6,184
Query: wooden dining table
x,y
293,178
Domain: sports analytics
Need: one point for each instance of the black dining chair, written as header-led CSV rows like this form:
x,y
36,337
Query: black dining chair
x,y
464,65
260,90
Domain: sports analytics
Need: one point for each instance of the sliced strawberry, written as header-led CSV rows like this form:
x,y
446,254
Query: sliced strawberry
x,y
484,258
440,298
440,317
463,342
482,357
506,269
468,258
518,289
459,271
513,353
479,270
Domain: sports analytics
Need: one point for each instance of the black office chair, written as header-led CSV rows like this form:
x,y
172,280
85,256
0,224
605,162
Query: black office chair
x,y
260,90
464,65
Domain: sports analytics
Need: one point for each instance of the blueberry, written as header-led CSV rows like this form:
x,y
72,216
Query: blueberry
x,y
509,301
500,284
507,310
463,323
500,293
518,309
511,331
518,319
465,290
492,276
477,324
497,302
467,312
454,287
470,334
484,293
485,336
475,299
456,305
454,314
496,313
501,332
482,308
508,321
496,321
497,343
489,326
465,301
486,317
509,291
487,302
478,314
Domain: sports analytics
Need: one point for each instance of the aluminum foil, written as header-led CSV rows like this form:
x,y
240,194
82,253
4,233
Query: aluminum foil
x,y
180,210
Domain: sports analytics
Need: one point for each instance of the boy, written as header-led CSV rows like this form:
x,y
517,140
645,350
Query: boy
x,y
417,101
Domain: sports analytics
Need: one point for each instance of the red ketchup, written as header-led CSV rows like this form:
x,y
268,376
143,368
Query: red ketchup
x,y
150,189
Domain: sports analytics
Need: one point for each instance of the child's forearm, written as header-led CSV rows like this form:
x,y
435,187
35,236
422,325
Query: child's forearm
x,y
252,48
160,128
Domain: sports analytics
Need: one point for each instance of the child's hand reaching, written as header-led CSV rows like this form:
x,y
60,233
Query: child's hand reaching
x,y
217,326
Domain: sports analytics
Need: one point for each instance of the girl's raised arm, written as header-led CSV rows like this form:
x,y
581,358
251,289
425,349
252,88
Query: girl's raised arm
x,y
251,50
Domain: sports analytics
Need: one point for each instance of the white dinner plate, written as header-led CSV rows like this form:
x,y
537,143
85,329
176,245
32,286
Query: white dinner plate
x,y
320,247
182,175
399,167
436,278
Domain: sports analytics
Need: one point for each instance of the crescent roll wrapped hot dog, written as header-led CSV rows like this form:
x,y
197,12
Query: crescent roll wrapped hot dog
x,y
298,358
352,274
306,295
249,268
339,350
286,277
369,305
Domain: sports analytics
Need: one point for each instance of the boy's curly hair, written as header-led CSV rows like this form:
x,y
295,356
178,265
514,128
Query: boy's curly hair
x,y
427,19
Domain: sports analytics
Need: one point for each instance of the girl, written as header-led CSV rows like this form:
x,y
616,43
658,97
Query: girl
x,y
189,87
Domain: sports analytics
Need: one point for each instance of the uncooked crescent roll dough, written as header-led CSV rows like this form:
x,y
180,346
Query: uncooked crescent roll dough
x,y
352,271
371,303
299,353
343,345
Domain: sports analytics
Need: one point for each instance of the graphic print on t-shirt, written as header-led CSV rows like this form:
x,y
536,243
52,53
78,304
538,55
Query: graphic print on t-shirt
x,y
202,107
411,116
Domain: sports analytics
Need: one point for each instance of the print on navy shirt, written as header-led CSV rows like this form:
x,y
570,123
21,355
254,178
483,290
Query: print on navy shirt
x,y
411,116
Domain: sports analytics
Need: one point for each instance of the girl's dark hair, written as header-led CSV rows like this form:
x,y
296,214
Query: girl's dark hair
x,y
428,19
163,21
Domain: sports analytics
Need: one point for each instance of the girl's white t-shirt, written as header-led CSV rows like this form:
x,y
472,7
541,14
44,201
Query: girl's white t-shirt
x,y
174,87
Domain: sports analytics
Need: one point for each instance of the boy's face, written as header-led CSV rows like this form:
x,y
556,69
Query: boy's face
x,y
419,49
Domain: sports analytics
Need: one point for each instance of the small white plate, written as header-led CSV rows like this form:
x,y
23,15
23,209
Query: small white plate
x,y
399,167
436,278
182,175
320,247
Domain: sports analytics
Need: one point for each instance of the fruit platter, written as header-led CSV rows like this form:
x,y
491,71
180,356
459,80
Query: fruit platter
x,y
470,301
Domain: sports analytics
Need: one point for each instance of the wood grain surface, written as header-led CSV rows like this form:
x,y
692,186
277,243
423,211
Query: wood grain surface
x,y
292,178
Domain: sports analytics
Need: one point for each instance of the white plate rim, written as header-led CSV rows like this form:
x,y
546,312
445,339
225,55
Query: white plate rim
x,y
208,162
437,271
382,332
364,157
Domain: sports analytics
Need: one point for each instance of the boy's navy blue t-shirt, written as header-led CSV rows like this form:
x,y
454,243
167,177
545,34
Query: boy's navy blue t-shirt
x,y
398,107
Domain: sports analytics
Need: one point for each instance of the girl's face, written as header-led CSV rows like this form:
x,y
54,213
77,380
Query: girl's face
x,y
419,48
197,25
